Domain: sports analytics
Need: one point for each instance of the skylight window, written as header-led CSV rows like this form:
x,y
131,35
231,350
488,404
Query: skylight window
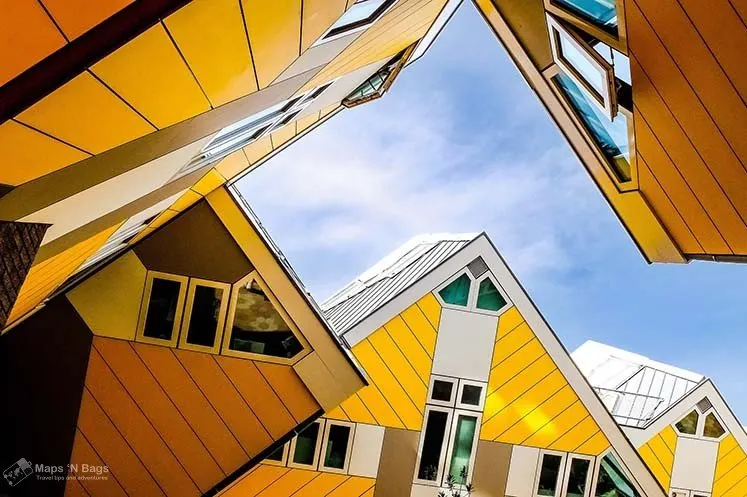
x,y
359,16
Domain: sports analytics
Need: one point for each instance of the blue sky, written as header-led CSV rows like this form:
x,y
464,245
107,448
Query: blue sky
x,y
461,144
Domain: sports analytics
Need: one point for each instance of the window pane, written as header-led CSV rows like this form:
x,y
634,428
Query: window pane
x,y
442,390
578,60
601,13
457,292
276,455
577,477
549,473
471,395
435,429
360,14
203,321
712,428
337,446
612,481
462,453
258,328
306,445
488,297
159,321
610,136
689,424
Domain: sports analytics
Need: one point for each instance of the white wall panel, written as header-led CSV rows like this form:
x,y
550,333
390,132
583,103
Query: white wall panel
x,y
694,464
464,347
522,471
364,459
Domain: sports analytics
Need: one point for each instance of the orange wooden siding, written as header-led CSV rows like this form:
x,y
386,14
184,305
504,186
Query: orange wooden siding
x,y
275,481
690,95
175,422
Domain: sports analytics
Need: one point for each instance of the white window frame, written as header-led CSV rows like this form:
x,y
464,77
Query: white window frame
x,y
348,451
561,476
452,440
700,428
325,38
567,473
317,448
444,445
606,100
284,458
469,407
454,390
474,289
437,291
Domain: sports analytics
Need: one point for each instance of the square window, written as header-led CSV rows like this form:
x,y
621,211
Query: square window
x,y
442,390
471,395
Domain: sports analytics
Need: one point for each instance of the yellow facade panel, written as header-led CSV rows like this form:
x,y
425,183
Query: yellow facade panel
x,y
431,308
30,154
662,452
232,165
656,466
115,290
539,420
150,75
419,326
517,385
27,35
412,349
509,320
323,484
303,123
274,34
357,411
255,481
318,16
283,135
511,342
290,482
559,425
163,218
502,372
187,199
258,150
397,362
355,486
337,413
576,436
85,113
211,36
212,180
75,17
379,408
594,446
44,277
380,375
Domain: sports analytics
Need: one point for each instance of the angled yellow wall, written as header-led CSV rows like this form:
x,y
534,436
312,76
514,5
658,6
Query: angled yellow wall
x,y
276,481
529,400
397,358
731,469
658,454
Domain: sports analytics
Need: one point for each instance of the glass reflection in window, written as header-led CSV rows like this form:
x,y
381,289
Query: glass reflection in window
x,y
203,321
258,327
612,481
610,136
462,452
601,13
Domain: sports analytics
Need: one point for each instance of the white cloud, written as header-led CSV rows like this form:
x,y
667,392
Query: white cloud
x,y
373,177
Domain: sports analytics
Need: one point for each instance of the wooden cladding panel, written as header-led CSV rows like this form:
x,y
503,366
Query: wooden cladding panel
x,y
690,116
275,481
175,422
731,469
658,454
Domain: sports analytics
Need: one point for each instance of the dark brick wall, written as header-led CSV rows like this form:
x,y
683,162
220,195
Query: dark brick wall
x,y
19,243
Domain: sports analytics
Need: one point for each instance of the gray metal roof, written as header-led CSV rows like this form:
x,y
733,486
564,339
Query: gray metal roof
x,y
389,277
634,388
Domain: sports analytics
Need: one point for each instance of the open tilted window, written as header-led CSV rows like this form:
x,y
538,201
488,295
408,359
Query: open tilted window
x,y
359,16
375,86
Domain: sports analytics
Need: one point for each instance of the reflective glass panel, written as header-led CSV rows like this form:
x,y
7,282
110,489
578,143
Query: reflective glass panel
x,y
610,136
258,327
580,62
689,424
549,473
456,292
577,473
337,446
159,321
203,321
471,395
601,13
306,445
488,297
435,429
442,390
712,427
462,452
612,481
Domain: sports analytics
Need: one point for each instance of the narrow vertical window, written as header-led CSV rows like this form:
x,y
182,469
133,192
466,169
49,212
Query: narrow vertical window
x,y
162,309
305,445
337,446
433,441
461,454
207,303
549,475
578,473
